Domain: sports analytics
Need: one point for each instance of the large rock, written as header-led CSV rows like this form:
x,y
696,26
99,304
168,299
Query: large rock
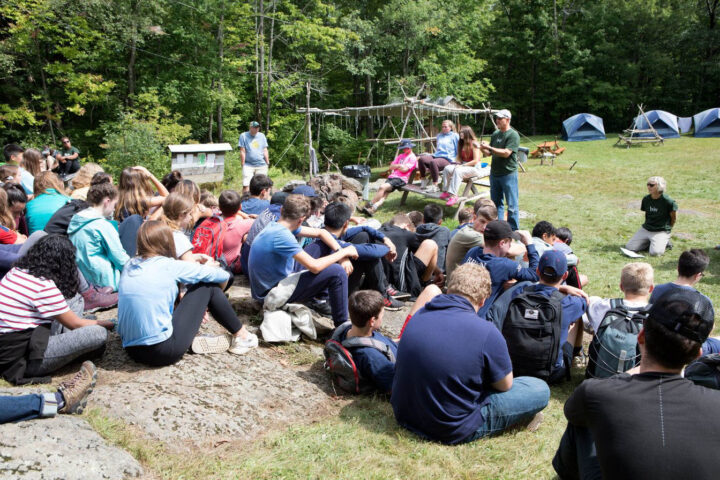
x,y
61,447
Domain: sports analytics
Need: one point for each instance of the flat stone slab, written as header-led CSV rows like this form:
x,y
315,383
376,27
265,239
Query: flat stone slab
x,y
61,447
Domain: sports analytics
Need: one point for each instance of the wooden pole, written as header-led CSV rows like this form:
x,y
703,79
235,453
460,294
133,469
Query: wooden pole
x,y
308,131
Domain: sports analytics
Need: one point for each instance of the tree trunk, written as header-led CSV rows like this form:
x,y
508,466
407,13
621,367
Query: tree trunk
x,y
131,70
257,65
261,55
369,130
533,72
47,98
220,36
269,67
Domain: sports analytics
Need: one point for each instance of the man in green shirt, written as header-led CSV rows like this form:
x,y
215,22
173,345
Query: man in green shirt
x,y
503,147
68,159
660,215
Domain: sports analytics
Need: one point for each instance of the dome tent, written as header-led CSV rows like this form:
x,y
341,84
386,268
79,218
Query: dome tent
x,y
663,122
582,127
707,123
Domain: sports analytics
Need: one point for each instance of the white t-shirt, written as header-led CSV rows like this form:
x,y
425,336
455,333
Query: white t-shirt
x,y
600,306
182,243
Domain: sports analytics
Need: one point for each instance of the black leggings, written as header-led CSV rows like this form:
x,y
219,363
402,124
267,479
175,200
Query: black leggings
x,y
186,323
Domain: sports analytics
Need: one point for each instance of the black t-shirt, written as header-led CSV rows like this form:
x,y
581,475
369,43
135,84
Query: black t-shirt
x,y
404,241
650,425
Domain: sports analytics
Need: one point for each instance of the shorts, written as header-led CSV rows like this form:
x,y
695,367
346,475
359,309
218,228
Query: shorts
x,y
249,171
395,183
420,267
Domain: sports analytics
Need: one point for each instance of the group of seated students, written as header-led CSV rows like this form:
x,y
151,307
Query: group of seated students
x,y
455,373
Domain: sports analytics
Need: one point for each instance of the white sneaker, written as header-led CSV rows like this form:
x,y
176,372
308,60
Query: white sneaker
x,y
210,344
432,189
241,346
424,183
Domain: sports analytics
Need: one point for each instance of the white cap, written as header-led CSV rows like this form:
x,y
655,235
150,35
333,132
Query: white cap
x,y
503,114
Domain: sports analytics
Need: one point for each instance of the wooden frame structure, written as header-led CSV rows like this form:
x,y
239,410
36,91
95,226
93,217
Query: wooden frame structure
x,y
629,135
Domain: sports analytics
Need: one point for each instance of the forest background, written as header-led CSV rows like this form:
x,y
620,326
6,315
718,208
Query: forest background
x,y
125,78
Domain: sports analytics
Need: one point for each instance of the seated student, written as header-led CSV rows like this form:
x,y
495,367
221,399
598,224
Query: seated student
x,y
237,227
68,159
543,237
81,182
70,397
469,234
136,188
33,312
498,241
416,261
275,251
367,269
276,203
209,200
417,219
636,284
260,191
400,170
178,215
432,229
366,314
660,216
8,233
563,239
654,423
453,376
17,199
552,272
14,155
465,217
152,329
170,180
49,197
100,255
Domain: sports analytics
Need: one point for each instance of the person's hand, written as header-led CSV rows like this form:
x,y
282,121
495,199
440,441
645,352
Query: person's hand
x,y
347,266
575,292
252,215
107,324
525,237
438,278
509,284
142,169
392,254
350,252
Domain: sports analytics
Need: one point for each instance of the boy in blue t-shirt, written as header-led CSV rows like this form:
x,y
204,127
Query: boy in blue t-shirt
x,y
366,314
259,200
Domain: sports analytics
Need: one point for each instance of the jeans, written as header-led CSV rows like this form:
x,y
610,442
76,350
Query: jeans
x,y
526,397
576,457
26,407
506,186
335,281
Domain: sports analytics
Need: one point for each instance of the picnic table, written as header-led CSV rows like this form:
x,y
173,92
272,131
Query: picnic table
x,y
547,151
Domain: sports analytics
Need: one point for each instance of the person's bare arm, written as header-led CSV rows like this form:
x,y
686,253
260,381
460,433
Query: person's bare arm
x,y
673,217
322,234
72,321
505,384
500,152
266,155
575,292
242,156
476,158
162,191
317,265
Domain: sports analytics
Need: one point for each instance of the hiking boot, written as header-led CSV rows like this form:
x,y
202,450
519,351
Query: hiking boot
x,y
368,209
535,422
320,306
76,390
207,343
396,294
97,300
391,304
241,346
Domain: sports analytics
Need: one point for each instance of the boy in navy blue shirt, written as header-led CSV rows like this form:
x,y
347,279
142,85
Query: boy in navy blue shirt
x,y
366,309
259,200
498,240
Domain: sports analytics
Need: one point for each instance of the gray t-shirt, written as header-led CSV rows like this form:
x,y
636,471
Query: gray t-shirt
x,y
461,243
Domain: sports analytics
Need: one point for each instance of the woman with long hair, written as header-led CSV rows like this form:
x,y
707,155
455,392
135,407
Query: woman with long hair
x,y
467,165
32,161
8,233
49,197
82,179
136,193
445,154
178,215
153,331
100,254
17,199
33,308
190,190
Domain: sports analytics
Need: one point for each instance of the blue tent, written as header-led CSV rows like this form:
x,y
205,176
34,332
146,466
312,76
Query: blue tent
x,y
582,127
707,123
665,123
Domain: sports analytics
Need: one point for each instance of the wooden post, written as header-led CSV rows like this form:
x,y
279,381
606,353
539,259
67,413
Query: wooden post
x,y
308,131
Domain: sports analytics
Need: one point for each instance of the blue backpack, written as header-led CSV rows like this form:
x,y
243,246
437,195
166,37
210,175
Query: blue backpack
x,y
705,371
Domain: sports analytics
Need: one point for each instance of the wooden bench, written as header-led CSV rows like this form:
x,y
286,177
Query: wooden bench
x,y
470,193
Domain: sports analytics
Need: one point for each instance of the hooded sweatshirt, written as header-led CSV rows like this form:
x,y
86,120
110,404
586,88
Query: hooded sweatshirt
x,y
440,235
100,255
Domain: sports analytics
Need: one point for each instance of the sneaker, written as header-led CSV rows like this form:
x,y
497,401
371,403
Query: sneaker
x,y
368,209
432,189
97,300
210,343
241,346
445,195
76,390
320,306
451,202
424,183
535,422
104,290
391,304
396,294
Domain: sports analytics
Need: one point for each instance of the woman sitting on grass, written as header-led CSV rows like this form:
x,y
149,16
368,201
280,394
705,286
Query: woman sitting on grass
x,y
33,311
49,197
100,255
153,331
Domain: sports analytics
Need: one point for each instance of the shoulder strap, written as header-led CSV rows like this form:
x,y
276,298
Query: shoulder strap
x,y
341,330
616,302
383,347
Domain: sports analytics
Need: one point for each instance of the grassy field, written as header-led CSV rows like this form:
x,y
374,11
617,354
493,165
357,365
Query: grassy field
x,y
599,200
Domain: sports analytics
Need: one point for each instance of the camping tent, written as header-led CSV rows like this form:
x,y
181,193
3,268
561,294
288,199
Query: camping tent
x,y
707,123
582,127
664,122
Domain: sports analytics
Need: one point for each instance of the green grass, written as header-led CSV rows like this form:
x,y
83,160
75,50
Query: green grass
x,y
599,200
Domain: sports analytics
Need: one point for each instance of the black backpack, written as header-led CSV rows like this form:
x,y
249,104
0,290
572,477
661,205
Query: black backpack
x,y
532,332
614,347
339,361
705,371
60,221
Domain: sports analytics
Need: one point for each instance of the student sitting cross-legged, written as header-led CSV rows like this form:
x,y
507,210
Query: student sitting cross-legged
x,y
275,251
152,329
453,376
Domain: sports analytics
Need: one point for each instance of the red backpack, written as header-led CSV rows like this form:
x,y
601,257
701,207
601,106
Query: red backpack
x,y
209,236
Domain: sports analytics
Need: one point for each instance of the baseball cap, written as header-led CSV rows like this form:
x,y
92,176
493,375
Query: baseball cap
x,y
499,229
504,113
278,198
305,190
675,309
553,264
254,124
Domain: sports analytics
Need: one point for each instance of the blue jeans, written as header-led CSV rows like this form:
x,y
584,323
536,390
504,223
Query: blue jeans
x,y
576,457
506,186
527,397
335,281
23,407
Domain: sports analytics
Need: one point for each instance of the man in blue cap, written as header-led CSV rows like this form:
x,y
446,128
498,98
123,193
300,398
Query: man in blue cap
x,y
400,170
253,153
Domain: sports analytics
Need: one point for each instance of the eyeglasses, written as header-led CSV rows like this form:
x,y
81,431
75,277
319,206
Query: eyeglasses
x,y
651,184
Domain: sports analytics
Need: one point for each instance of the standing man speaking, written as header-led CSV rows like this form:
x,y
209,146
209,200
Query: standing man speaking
x,y
253,153
503,147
